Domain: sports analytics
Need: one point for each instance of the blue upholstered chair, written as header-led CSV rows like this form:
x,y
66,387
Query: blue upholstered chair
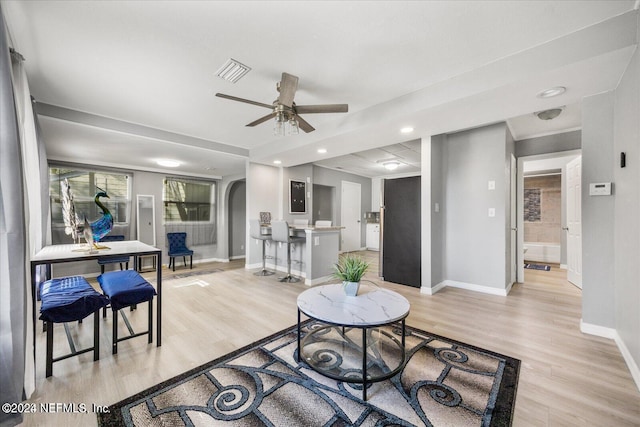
x,y
113,259
178,247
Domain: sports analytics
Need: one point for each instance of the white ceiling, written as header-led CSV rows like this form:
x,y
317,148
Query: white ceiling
x,y
144,71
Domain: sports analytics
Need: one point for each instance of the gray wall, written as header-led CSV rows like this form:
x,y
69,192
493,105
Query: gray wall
x,y
510,258
333,178
263,195
627,209
299,173
549,144
237,222
475,243
266,184
437,218
323,201
597,211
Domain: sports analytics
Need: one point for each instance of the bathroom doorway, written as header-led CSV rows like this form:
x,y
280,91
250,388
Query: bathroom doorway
x,y
542,209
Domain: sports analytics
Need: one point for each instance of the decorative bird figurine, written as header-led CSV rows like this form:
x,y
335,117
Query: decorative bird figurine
x,y
101,227
88,236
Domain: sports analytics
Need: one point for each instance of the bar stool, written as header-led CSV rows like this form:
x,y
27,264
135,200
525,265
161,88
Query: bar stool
x,y
69,299
256,233
280,233
127,288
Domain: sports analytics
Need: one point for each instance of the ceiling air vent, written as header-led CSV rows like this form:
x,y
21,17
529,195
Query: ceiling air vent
x,y
232,71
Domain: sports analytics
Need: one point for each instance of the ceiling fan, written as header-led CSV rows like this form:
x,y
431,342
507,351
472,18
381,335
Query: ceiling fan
x,y
284,110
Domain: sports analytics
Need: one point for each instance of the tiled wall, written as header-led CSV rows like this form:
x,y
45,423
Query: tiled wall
x,y
542,209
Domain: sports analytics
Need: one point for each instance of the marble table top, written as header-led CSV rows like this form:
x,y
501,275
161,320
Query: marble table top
x,y
372,306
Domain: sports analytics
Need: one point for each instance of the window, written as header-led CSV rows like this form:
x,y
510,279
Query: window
x,y
84,185
188,201
189,206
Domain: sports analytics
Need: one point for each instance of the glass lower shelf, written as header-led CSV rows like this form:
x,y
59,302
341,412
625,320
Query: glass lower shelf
x,y
337,352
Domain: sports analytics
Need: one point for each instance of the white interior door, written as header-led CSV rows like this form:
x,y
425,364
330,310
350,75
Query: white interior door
x,y
574,222
350,216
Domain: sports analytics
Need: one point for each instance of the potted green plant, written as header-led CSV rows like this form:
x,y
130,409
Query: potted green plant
x,y
350,269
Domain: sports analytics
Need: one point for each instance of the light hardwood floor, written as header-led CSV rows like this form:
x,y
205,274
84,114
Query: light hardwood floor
x,y
567,378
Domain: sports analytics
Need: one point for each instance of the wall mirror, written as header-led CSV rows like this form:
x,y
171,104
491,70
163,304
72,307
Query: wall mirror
x,y
146,219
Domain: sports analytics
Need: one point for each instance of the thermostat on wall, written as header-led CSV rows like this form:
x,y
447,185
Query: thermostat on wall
x,y
600,189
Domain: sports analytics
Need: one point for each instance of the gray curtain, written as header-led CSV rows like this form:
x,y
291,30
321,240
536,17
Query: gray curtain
x,y
44,173
12,244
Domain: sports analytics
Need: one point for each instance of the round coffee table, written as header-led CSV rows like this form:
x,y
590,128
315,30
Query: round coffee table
x,y
352,346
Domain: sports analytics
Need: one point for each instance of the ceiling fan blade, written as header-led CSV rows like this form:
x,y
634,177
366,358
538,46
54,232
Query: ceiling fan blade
x,y
326,108
304,125
288,87
262,119
246,101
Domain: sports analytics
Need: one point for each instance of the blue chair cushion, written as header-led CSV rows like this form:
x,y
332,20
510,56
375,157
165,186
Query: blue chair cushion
x,y
125,288
181,252
68,299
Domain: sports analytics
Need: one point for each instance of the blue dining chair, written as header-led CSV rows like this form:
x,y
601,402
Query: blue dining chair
x,y
178,247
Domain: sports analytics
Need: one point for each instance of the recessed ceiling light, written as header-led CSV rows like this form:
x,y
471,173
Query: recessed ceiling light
x,y
554,91
277,162
322,150
407,129
168,163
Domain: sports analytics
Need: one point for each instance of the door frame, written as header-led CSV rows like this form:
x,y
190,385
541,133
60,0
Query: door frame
x,y
357,207
520,202
573,249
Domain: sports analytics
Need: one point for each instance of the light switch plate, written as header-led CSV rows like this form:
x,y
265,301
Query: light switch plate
x,y
492,185
492,212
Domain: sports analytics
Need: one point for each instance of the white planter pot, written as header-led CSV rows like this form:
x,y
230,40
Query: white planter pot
x,y
351,288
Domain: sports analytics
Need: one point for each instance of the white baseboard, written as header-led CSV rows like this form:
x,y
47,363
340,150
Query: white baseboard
x,y
611,333
473,287
252,266
237,257
631,364
431,291
202,261
317,280
563,266
599,331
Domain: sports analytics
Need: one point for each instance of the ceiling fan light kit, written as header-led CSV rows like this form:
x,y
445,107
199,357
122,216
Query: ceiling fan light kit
x,y
285,112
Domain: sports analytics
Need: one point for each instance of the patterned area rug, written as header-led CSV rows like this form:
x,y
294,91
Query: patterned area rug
x,y
444,383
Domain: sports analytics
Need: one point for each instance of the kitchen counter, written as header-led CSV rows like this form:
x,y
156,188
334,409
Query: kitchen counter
x,y
316,256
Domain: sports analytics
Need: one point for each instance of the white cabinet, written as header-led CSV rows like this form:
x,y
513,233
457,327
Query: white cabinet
x,y
373,237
